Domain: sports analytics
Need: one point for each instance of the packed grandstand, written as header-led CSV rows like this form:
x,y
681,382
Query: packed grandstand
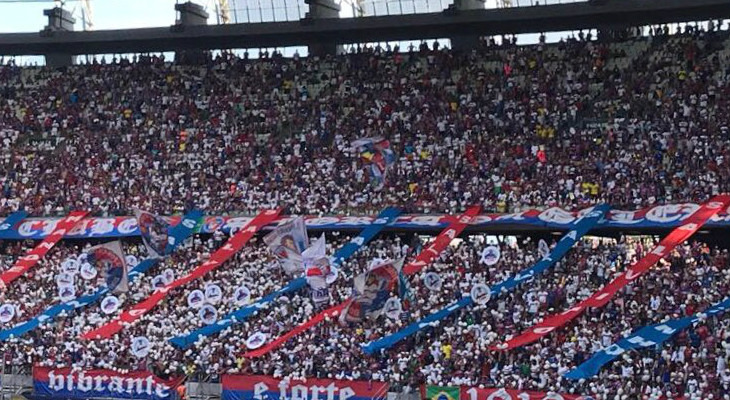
x,y
596,128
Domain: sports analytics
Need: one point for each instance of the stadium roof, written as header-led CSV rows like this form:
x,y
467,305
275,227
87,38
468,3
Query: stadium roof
x,y
549,18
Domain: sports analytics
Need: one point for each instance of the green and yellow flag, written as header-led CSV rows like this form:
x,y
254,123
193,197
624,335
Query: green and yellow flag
x,y
442,392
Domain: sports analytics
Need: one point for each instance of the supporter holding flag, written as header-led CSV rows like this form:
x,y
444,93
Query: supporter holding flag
x,y
109,259
377,153
371,290
288,241
318,271
153,230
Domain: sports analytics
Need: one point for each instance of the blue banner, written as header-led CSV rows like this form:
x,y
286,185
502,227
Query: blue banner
x,y
9,224
652,335
385,217
177,235
582,226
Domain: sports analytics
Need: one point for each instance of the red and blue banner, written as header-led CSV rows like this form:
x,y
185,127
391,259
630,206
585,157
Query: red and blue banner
x,y
28,261
228,250
177,235
346,251
427,255
603,296
259,387
508,285
65,383
658,217
11,222
477,393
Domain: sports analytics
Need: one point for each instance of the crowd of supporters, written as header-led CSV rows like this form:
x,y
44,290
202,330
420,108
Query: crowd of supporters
x,y
631,123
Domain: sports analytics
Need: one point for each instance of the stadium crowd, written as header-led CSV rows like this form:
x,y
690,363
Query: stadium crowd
x,y
630,123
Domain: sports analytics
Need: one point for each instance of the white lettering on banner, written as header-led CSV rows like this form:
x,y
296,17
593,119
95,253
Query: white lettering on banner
x,y
4,227
480,219
252,229
259,391
171,240
136,312
641,341
665,329
46,245
127,226
543,330
102,226
358,240
714,205
499,394
424,220
570,235
521,277
624,217
188,223
659,250
30,257
602,296
59,232
671,212
380,221
301,392
516,217
464,219
688,227
354,221
556,215
450,233
614,350
102,383
74,218
631,274
322,221
572,310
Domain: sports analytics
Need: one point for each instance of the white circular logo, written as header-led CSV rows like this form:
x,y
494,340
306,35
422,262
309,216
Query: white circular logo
x,y
481,293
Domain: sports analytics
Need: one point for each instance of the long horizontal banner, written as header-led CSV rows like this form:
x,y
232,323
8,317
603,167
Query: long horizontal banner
x,y
428,254
178,233
346,251
28,261
647,336
477,393
561,248
603,296
257,387
65,383
220,256
666,216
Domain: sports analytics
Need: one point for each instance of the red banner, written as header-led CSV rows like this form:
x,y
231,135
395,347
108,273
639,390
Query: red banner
x,y
442,240
256,387
31,259
603,296
232,246
65,383
424,257
475,393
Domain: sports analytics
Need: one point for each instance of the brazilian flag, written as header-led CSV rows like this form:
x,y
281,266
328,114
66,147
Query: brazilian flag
x,y
442,392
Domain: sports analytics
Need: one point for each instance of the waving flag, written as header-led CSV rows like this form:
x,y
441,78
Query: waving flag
x,y
377,153
232,246
383,219
153,230
109,259
287,242
426,256
179,233
603,296
581,227
648,336
371,290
